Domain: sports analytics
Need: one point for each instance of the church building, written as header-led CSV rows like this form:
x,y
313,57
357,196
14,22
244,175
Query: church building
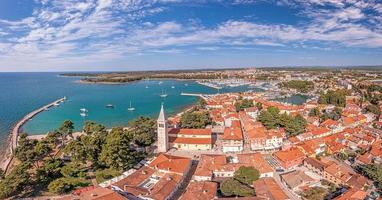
x,y
183,139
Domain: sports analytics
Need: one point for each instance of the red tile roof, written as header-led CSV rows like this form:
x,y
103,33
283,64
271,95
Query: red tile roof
x,y
175,164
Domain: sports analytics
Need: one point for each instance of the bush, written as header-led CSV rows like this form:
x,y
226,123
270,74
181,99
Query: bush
x,y
65,185
246,175
106,174
232,187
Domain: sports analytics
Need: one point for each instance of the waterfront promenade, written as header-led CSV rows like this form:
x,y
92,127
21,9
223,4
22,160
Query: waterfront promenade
x,y
4,164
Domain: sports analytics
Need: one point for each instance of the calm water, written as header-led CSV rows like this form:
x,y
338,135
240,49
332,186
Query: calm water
x,y
22,93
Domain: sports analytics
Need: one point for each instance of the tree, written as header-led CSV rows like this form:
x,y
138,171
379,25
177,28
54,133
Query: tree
x,y
42,149
195,119
77,151
232,187
243,104
374,172
315,193
267,119
2,174
65,185
373,109
314,112
26,151
271,119
143,130
73,170
106,174
15,181
201,103
65,130
116,152
299,85
259,105
246,175
93,127
50,170
335,97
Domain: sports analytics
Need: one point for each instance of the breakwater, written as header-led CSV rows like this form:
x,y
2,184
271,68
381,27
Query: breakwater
x,y
17,128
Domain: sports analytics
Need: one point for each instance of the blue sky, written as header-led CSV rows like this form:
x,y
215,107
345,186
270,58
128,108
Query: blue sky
x,y
108,35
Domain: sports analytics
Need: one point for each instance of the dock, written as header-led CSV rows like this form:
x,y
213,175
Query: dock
x,y
16,129
191,94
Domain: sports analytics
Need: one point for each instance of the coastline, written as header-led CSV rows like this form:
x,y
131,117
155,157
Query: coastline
x,y
12,140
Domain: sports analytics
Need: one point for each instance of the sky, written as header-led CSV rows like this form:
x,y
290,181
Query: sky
x,y
124,35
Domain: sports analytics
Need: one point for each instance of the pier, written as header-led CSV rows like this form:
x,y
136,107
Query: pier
x,y
191,94
16,130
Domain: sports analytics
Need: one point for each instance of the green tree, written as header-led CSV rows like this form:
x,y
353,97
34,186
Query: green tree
x,y
271,119
65,130
143,130
373,109
232,187
64,185
50,170
299,85
77,151
243,104
335,97
73,169
246,175
91,127
15,182
106,174
315,193
259,105
201,103
267,119
314,112
374,172
195,119
116,152
2,173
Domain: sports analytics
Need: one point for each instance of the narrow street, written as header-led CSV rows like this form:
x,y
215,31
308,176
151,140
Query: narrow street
x,y
186,181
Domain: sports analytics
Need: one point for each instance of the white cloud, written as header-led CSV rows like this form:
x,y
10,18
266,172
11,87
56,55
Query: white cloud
x,y
105,29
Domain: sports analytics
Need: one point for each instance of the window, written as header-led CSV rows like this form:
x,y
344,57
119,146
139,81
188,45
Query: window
x,y
161,125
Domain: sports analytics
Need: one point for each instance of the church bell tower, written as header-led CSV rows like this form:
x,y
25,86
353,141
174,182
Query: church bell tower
x,y
162,131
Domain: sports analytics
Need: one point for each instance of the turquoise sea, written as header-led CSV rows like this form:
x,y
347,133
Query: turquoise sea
x,y
22,93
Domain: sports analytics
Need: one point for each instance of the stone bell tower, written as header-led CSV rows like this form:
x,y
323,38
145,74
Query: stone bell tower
x,y
162,131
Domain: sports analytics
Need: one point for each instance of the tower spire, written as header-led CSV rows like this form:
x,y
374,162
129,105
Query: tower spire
x,y
162,115
162,142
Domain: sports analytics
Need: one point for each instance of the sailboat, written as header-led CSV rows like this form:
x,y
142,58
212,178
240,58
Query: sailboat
x,y
163,94
131,108
147,86
83,112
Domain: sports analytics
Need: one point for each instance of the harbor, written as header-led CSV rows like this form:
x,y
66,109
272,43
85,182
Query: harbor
x,y
18,127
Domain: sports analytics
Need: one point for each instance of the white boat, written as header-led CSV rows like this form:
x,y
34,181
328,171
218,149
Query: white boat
x,y
131,108
83,114
109,106
147,86
83,110
172,87
160,82
163,94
